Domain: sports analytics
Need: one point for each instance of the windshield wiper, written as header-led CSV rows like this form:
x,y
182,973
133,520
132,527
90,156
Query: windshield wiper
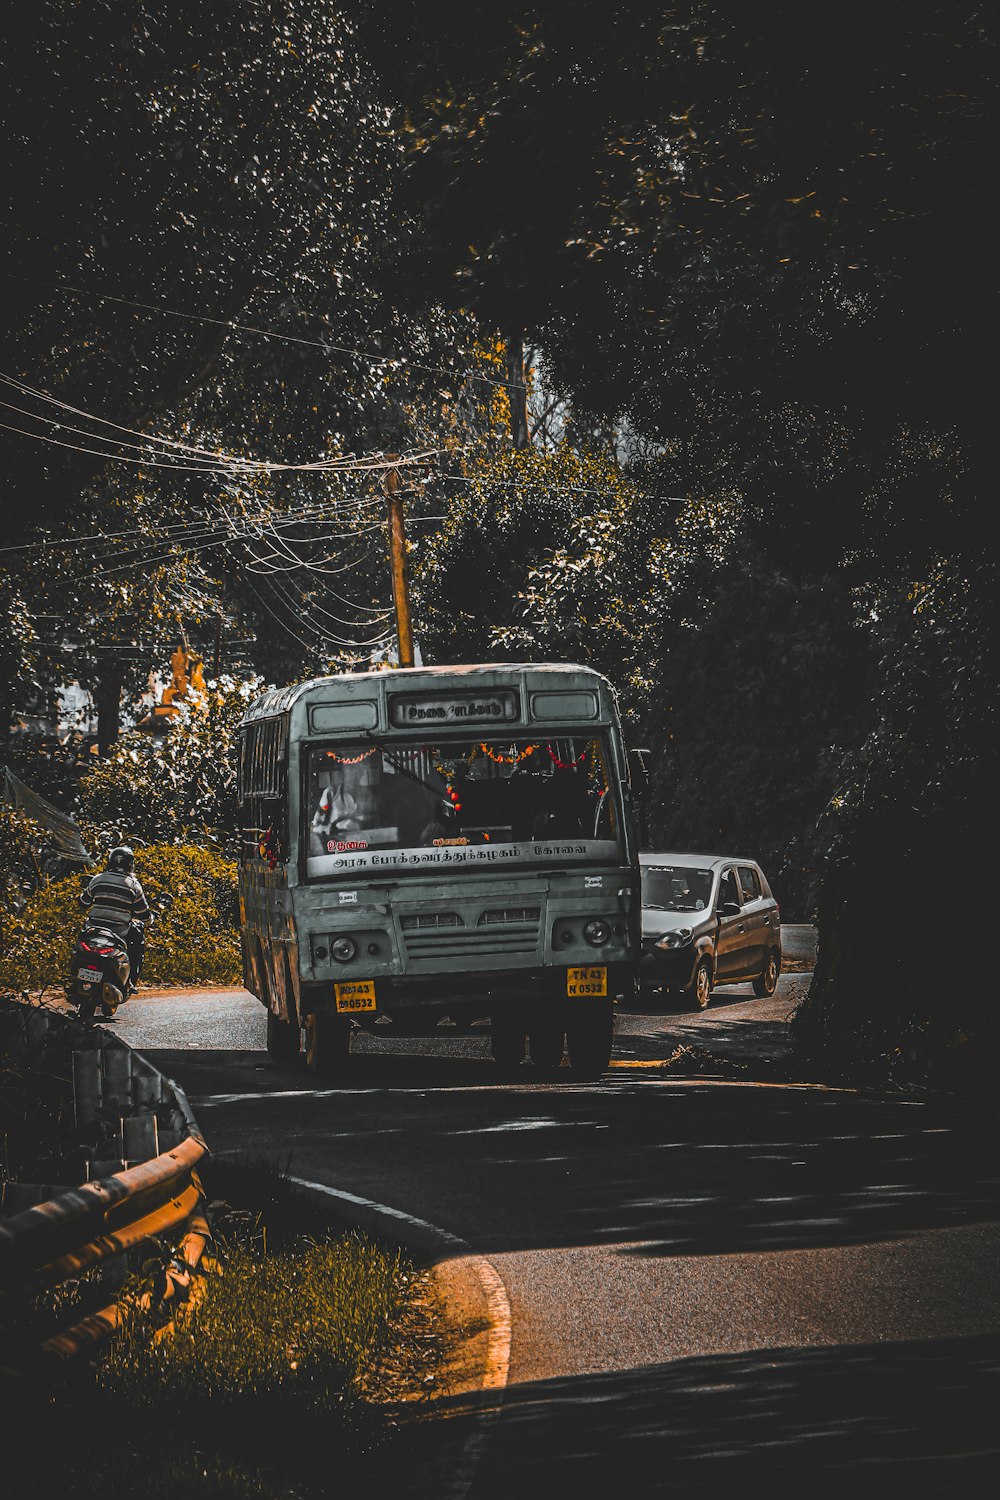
x,y
405,771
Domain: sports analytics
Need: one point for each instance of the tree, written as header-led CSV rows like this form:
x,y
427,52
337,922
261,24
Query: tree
x,y
507,513
197,204
759,242
890,999
178,786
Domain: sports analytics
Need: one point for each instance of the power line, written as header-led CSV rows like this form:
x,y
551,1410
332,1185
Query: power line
x,y
206,457
550,489
302,517
291,606
267,333
328,635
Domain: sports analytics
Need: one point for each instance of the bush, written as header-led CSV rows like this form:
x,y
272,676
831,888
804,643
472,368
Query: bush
x,y
195,942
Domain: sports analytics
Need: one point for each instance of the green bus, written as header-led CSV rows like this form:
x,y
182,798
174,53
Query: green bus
x,y
429,845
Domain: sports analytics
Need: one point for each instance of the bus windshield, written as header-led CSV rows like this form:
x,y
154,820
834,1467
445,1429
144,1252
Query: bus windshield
x,y
474,802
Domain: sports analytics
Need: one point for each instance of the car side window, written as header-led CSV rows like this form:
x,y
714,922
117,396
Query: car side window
x,y
749,883
729,891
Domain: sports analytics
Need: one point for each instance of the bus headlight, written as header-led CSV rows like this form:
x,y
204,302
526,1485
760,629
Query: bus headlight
x,y
678,939
343,949
597,932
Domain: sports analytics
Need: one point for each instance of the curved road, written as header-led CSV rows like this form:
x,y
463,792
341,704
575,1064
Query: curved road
x,y
717,1272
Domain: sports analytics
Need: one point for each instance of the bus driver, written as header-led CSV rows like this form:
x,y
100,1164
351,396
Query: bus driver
x,y
336,814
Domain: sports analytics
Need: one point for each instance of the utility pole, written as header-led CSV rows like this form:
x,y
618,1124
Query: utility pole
x,y
397,559
517,393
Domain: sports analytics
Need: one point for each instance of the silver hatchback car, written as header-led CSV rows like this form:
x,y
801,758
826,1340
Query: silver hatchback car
x,y
707,919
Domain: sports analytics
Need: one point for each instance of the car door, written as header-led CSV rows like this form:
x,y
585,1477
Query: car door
x,y
757,918
730,942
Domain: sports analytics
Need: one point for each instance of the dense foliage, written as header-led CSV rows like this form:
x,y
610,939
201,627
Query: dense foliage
x,y
895,987
179,785
749,249
197,204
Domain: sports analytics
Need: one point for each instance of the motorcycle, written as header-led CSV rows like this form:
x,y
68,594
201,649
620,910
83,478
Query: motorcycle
x,y
100,968
99,972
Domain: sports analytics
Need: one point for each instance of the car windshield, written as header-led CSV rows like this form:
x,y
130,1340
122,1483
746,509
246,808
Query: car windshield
x,y
676,888
383,807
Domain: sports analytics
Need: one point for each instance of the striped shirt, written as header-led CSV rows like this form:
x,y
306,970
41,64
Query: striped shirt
x,y
115,900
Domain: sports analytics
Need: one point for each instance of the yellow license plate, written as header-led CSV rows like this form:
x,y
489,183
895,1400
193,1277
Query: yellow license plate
x,y
589,981
360,995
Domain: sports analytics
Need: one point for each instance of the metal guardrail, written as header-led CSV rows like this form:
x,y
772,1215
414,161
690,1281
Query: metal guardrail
x,y
125,1113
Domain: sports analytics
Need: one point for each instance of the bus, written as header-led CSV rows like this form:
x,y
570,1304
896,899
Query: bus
x,y
433,846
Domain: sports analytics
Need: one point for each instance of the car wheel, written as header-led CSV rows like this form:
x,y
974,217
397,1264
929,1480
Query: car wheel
x,y
700,989
766,983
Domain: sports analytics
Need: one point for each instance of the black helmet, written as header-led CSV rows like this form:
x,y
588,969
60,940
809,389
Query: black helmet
x,y
122,859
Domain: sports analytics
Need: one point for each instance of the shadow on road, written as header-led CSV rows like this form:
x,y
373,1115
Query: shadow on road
x,y
694,1166
857,1420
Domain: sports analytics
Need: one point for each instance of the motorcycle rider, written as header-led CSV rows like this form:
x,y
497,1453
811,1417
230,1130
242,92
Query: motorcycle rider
x,y
115,900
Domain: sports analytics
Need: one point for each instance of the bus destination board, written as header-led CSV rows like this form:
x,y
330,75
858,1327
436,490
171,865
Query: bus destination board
x,y
459,708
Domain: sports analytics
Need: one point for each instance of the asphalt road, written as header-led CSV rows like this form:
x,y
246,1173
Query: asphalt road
x,y
718,1272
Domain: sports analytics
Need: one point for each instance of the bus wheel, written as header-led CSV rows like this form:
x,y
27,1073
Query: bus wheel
x,y
545,1038
589,1036
284,1038
328,1042
506,1043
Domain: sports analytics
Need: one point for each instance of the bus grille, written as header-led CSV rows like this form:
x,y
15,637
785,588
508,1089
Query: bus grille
x,y
511,915
445,935
431,919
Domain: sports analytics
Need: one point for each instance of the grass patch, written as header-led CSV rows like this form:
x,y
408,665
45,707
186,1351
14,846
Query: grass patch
x,y
284,1377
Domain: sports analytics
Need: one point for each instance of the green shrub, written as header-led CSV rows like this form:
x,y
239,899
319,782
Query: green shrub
x,y
195,942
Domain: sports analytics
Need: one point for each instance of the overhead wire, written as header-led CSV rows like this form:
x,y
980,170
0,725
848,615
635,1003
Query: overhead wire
x,y
63,426
154,449
283,623
343,464
302,517
295,607
147,463
297,562
550,489
320,567
380,613
268,333
165,549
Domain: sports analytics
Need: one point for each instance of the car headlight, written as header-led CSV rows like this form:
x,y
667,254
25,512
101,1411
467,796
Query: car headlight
x,y
597,931
343,949
678,939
